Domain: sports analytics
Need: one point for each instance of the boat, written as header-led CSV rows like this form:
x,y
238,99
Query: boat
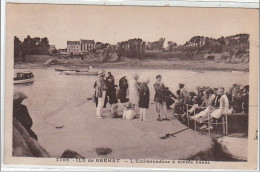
x,y
196,71
23,77
64,69
238,71
76,72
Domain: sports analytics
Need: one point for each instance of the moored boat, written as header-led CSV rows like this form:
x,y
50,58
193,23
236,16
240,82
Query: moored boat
x,y
92,72
238,71
23,77
64,69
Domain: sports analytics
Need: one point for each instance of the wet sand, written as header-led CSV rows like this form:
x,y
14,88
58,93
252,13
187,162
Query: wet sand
x,y
128,139
126,63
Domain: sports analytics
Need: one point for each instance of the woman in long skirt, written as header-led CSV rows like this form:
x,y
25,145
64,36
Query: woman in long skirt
x,y
123,86
133,91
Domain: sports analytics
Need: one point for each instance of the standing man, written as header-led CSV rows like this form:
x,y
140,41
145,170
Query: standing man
x,y
100,88
160,99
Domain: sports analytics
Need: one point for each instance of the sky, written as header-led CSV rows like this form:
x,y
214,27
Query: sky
x,y
112,24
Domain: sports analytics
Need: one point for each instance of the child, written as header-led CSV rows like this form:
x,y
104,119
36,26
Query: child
x,y
144,98
129,113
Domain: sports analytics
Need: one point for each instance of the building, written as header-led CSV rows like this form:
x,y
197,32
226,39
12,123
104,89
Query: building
x,y
63,51
87,46
52,47
74,47
156,45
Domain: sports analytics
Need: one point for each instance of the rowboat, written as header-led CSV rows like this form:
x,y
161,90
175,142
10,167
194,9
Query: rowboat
x,y
63,69
23,77
81,72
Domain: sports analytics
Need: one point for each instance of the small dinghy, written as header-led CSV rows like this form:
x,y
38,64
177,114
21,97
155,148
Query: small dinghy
x,y
23,77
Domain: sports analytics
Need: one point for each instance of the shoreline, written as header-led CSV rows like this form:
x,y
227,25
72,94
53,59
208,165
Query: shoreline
x,y
166,65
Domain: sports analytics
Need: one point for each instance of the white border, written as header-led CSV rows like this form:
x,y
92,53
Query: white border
x,y
181,3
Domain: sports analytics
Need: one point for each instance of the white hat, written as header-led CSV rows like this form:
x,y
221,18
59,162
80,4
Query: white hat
x,y
19,95
101,72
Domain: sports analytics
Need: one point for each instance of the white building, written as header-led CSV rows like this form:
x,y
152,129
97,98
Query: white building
x,y
74,47
87,46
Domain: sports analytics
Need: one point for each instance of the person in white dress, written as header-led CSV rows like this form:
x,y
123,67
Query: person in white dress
x,y
133,90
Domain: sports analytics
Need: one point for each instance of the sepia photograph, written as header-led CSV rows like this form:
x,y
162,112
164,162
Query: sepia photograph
x,y
131,86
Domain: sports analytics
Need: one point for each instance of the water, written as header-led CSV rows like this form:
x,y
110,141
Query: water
x,y
52,91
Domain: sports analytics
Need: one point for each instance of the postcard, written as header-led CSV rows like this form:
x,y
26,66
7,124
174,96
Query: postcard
x,y
131,86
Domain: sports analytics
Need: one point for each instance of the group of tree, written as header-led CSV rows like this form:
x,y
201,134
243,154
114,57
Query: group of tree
x,y
30,46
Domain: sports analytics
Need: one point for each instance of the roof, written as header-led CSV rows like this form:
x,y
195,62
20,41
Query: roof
x,y
88,41
24,72
69,42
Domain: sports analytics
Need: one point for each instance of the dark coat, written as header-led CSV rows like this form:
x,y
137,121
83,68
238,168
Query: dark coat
x,y
160,93
169,100
111,90
123,86
144,96
20,112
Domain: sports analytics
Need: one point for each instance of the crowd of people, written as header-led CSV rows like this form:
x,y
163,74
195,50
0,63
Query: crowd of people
x,y
206,104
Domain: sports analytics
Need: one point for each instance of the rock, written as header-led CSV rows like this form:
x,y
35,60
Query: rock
x,y
103,151
71,154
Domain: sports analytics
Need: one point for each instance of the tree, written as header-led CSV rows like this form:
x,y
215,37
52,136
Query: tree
x,y
17,48
170,45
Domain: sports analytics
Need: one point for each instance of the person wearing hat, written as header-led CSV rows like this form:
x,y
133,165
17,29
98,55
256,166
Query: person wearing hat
x,y
133,90
184,99
100,92
144,98
20,113
111,90
217,111
234,91
128,113
123,86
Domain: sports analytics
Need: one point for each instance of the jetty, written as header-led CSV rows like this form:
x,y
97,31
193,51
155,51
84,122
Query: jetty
x,y
84,133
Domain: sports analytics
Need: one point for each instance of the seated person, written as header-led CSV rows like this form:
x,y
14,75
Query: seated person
x,y
183,99
170,98
221,107
20,112
129,112
210,107
245,99
203,101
